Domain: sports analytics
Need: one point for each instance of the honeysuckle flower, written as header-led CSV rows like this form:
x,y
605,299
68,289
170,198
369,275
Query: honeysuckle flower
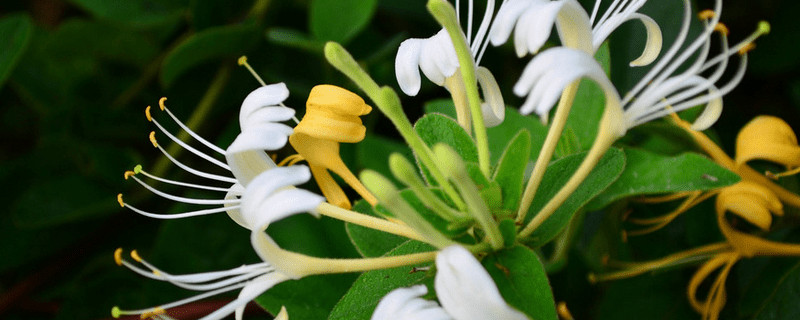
x,y
436,57
260,119
532,23
268,197
332,117
463,287
771,139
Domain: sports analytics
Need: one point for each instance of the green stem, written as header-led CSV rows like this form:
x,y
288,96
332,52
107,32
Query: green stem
x,y
200,114
606,135
445,14
389,103
546,153
562,245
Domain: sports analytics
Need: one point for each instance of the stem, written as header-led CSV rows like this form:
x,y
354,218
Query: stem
x,y
688,256
606,136
546,153
371,222
562,245
444,13
198,116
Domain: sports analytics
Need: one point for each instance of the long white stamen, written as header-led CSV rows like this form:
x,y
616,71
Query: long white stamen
x,y
195,171
608,12
469,22
189,131
181,215
483,29
594,11
191,149
182,199
180,183
183,301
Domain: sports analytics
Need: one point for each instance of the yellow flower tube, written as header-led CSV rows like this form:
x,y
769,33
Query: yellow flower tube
x,y
332,116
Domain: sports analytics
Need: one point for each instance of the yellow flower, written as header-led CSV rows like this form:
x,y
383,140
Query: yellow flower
x,y
771,139
332,116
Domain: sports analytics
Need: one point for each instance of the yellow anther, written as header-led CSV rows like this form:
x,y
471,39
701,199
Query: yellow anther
x,y
161,103
706,14
242,60
128,174
119,200
147,114
118,258
722,28
563,312
155,272
135,256
153,139
156,311
137,169
115,312
592,278
747,48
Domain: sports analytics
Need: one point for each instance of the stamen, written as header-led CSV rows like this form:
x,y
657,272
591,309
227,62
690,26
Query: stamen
x,y
186,128
128,174
155,312
187,147
563,312
291,160
147,114
177,183
195,171
746,48
184,214
153,139
775,176
721,28
161,103
243,62
118,257
135,256
706,14
184,199
119,200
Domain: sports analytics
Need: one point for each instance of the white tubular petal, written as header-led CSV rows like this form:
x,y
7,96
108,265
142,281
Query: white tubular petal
x,y
235,192
246,165
574,27
270,95
466,290
494,108
543,84
505,20
252,290
436,59
264,202
406,66
710,114
406,304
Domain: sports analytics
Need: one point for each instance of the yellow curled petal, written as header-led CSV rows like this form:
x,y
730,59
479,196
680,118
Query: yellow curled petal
x,y
751,202
768,138
745,244
332,113
712,305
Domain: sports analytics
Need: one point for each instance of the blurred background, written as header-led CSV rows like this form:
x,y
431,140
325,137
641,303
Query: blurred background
x,y
76,76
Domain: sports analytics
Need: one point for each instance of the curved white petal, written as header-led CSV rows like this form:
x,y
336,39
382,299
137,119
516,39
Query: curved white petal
x,y
465,289
406,66
543,84
246,165
266,200
270,95
494,108
653,43
574,28
710,114
406,304
235,192
272,114
438,58
265,136
505,20
252,290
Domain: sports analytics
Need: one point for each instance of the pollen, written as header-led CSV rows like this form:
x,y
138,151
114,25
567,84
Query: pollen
x,y
156,311
119,200
706,14
135,256
242,60
722,28
128,174
747,48
137,169
118,259
115,312
161,103
563,312
153,139
147,114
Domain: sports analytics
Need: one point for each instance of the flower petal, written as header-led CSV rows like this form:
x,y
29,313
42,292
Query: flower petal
x,y
406,66
506,19
466,290
252,290
264,202
406,304
494,108
768,138
270,95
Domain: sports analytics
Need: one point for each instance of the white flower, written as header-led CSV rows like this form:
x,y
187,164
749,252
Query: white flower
x,y
436,57
532,22
268,197
464,288
662,90
260,119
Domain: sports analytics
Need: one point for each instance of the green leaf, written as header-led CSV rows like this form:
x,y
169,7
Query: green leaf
x,y
373,153
226,42
371,242
558,172
511,169
15,30
340,20
650,173
782,301
136,13
437,128
106,42
659,296
61,200
362,298
522,282
294,39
